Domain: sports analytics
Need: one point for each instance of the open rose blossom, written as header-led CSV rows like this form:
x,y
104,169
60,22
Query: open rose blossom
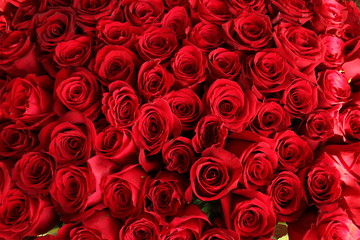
x,y
179,119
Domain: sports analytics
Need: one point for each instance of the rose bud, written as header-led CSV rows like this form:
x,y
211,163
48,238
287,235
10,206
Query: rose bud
x,y
334,55
142,13
224,64
294,152
153,80
215,174
157,43
220,233
287,195
335,86
178,155
142,226
214,11
187,106
259,163
122,191
155,125
114,63
178,20
77,89
209,132
234,106
349,124
206,36
189,66
120,105
34,172
296,11
255,36
117,145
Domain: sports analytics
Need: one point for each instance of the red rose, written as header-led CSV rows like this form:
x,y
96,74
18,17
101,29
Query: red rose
x,y
17,54
287,195
155,125
214,11
77,89
174,3
24,12
34,172
209,132
215,174
296,11
293,151
143,12
123,191
120,105
153,80
140,227
187,106
234,106
349,122
73,52
329,14
299,45
117,145
221,234
5,181
21,215
334,51
206,36
178,155
71,139
259,163
114,63
157,43
237,6
178,20
189,66
271,118
319,126
248,31
53,27
335,86
224,64
301,97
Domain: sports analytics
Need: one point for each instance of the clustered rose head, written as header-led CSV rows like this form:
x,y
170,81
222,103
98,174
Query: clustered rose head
x,y
179,119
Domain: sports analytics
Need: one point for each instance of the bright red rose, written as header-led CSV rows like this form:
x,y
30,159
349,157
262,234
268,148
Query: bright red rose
x,y
319,126
178,20
214,11
296,11
224,63
335,86
143,12
334,51
142,226
349,124
206,36
329,14
221,234
237,6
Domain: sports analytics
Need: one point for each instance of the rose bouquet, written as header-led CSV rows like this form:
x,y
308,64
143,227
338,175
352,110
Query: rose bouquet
x,y
179,119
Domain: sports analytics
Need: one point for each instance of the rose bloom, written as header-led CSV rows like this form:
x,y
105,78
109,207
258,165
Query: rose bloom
x,y
206,36
214,11
143,226
319,126
335,86
349,124
221,234
142,13
296,11
224,63
329,14
178,20
334,51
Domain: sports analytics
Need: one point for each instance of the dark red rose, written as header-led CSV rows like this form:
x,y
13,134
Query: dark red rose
x,y
117,33
238,6
251,214
323,182
335,86
259,163
21,215
5,181
248,31
116,145
234,106
154,80
299,45
206,36
120,105
209,132
271,118
73,52
293,151
214,11
178,154
287,195
186,105
215,174
77,89
114,63
188,224
224,63
329,14
24,12
123,191
155,125
174,3
71,139
34,172
143,226
55,3
349,124
268,70
164,194
301,97
143,12
157,43
319,126
30,98
178,20
53,27
220,234
296,11
15,140
334,51
17,54
189,66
